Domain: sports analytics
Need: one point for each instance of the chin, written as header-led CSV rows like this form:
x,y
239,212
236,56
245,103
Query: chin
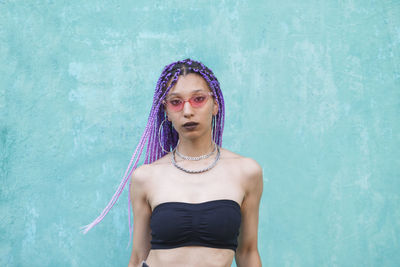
x,y
191,135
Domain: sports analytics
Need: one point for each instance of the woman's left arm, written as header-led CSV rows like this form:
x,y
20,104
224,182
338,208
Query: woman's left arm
x,y
247,250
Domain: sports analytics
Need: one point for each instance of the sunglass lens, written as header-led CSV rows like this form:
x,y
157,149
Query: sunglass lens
x,y
175,104
198,101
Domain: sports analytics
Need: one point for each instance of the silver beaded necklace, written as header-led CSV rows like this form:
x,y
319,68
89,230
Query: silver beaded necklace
x,y
195,158
195,171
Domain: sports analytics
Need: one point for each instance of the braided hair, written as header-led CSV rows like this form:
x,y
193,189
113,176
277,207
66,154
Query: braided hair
x,y
169,136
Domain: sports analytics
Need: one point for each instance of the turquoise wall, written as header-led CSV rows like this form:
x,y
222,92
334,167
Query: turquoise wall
x,y
312,93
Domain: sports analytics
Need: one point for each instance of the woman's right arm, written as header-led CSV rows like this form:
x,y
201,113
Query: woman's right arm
x,y
141,216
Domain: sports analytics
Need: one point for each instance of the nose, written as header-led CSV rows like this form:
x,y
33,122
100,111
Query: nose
x,y
187,110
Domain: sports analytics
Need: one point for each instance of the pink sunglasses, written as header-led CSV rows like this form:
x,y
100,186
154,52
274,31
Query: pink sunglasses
x,y
176,103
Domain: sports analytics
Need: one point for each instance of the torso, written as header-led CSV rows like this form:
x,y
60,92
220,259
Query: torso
x,y
166,183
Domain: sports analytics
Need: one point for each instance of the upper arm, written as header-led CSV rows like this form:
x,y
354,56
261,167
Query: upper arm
x,y
247,240
141,215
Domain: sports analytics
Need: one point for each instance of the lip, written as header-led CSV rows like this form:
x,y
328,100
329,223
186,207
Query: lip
x,y
190,124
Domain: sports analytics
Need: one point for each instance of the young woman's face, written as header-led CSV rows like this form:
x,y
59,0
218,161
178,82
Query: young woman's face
x,y
190,107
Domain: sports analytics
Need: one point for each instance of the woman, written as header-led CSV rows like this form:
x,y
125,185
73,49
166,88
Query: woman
x,y
194,203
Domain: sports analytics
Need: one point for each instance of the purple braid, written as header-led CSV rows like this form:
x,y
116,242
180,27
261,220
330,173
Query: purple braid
x,y
169,136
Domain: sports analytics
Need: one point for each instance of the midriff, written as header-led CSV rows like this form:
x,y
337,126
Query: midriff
x,y
194,256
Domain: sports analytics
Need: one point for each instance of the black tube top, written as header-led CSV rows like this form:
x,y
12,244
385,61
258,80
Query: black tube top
x,y
213,224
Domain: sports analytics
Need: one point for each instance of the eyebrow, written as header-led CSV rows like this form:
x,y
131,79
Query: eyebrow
x,y
194,91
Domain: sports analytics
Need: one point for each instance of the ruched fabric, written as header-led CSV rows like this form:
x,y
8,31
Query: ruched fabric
x,y
213,223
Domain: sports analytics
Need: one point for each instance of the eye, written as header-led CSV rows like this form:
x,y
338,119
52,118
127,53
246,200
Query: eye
x,y
175,102
199,99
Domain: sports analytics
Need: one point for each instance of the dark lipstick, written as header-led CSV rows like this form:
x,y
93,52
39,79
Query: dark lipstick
x,y
190,125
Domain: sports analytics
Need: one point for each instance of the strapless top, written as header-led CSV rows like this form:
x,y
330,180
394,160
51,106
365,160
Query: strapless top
x,y
213,223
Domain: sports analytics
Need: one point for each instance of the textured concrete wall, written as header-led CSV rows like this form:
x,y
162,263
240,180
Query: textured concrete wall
x,y
312,91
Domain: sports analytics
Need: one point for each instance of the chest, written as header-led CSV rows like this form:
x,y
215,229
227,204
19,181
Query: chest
x,y
170,184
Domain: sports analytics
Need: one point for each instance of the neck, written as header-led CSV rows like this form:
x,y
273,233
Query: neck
x,y
196,147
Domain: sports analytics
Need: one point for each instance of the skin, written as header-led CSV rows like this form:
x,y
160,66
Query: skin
x,y
234,177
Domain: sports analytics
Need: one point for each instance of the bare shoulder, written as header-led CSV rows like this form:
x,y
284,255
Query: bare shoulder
x,y
249,170
144,172
252,167
142,180
139,182
141,173
247,165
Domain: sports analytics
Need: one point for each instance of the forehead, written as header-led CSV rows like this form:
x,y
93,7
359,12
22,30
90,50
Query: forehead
x,y
189,84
